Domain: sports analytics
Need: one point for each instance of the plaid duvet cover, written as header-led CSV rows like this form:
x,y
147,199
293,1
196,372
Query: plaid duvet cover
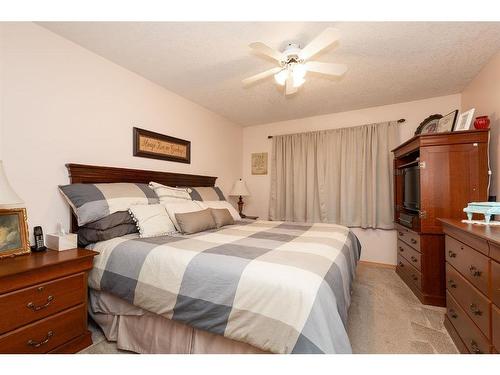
x,y
281,287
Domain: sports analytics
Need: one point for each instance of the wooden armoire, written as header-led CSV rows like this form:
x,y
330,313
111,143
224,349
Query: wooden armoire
x,y
453,171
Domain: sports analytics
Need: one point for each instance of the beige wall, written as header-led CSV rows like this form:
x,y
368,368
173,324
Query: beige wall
x,y
483,94
64,104
378,245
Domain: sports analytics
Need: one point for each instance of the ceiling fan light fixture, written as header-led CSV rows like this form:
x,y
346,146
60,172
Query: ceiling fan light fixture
x,y
281,77
294,62
298,73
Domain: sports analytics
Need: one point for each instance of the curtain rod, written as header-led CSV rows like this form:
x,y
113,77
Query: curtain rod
x,y
400,121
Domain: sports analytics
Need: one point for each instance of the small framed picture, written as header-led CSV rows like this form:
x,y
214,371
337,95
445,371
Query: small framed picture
x,y
13,232
429,125
446,123
464,120
259,163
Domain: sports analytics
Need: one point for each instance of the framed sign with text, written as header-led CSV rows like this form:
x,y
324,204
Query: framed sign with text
x,y
148,144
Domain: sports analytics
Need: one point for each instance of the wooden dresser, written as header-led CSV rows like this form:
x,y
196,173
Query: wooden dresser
x,y
453,171
473,286
43,302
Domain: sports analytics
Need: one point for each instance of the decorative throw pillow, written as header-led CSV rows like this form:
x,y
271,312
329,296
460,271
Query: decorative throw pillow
x,y
91,202
222,217
194,222
152,220
222,204
181,207
110,221
87,235
204,193
168,194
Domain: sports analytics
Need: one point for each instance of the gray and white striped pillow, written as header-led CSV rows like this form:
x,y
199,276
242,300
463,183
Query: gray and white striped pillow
x,y
92,202
204,193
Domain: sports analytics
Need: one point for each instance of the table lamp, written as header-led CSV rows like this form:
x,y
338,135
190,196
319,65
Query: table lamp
x,y
8,197
240,189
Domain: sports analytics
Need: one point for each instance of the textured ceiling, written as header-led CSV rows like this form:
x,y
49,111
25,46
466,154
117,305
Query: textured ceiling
x,y
389,62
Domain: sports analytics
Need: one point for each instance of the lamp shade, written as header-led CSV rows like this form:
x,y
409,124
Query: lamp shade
x,y
239,188
8,197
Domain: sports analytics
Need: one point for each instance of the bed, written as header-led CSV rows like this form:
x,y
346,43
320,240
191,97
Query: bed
x,y
251,287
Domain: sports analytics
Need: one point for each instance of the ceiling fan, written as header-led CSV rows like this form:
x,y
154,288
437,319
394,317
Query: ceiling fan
x,y
293,62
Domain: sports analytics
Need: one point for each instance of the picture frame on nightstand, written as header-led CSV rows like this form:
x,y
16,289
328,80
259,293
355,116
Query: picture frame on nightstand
x,y
14,238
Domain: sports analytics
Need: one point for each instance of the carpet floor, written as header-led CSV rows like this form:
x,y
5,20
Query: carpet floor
x,y
384,317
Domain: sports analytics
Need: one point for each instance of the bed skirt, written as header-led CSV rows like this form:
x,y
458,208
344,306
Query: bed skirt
x,y
139,331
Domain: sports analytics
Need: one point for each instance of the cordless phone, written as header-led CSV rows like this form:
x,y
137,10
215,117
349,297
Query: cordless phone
x,y
38,246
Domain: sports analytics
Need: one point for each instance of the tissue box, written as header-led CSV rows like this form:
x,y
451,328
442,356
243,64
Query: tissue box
x,y
61,242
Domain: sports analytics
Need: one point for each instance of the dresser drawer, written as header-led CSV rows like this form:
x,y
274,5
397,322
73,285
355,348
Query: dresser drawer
x,y
495,252
413,275
37,302
470,335
409,237
495,319
46,334
410,254
495,283
469,262
472,301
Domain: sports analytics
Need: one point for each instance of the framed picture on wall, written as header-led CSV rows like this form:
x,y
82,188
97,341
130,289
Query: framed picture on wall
x,y
259,163
148,144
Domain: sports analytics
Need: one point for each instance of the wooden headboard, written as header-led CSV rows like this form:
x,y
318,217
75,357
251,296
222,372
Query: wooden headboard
x,y
92,174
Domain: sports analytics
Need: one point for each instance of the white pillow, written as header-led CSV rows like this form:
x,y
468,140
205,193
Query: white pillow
x,y
170,194
152,220
222,204
181,207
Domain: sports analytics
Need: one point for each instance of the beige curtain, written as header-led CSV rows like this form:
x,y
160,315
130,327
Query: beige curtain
x,y
341,176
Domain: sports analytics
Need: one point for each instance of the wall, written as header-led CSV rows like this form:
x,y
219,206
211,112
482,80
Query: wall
x,y
378,245
63,104
483,93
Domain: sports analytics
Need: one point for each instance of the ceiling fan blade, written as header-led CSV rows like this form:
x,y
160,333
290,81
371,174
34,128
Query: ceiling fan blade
x,y
326,68
258,77
289,88
323,40
266,50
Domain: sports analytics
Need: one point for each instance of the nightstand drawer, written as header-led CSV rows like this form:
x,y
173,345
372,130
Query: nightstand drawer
x,y
47,334
473,265
37,302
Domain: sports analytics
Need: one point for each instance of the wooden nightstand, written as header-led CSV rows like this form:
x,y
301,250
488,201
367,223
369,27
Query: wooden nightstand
x,y
43,302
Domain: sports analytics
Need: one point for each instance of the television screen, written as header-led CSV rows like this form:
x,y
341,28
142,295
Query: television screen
x,y
411,194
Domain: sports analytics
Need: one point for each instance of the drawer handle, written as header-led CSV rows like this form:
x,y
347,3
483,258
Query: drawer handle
x,y
451,254
452,284
475,310
474,271
401,234
415,278
413,259
401,249
401,264
35,344
413,241
32,306
453,314
475,347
